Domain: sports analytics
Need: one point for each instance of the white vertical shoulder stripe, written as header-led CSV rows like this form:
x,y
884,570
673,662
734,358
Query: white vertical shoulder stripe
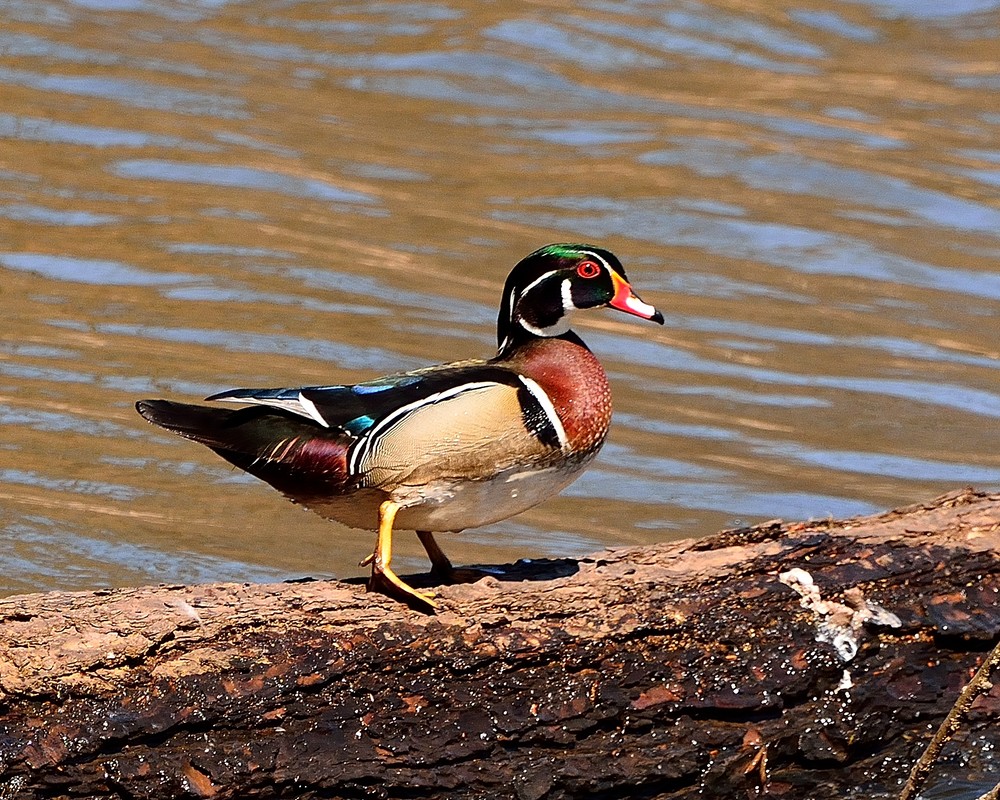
x,y
550,410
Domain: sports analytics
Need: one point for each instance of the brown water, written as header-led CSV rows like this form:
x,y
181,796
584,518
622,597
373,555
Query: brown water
x,y
196,196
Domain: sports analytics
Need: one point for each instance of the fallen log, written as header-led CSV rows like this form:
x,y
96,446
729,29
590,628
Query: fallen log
x,y
810,660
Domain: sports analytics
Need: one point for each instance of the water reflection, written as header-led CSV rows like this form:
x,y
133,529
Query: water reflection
x,y
86,270
135,93
225,195
790,173
794,247
46,130
238,177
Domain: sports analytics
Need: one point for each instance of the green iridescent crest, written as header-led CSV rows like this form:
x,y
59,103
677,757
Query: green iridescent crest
x,y
565,250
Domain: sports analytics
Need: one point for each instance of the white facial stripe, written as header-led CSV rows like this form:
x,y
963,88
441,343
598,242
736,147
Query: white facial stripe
x,y
600,260
550,410
567,297
311,410
360,449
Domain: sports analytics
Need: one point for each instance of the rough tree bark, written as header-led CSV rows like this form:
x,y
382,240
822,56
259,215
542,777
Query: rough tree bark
x,y
814,659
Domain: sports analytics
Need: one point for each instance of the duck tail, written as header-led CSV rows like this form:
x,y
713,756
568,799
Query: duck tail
x,y
200,423
294,455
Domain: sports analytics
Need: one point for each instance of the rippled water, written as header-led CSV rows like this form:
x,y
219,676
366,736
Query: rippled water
x,y
196,196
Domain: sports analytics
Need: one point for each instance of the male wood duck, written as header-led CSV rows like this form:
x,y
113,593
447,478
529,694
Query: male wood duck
x,y
443,448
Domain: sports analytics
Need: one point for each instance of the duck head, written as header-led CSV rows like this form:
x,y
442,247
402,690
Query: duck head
x,y
546,288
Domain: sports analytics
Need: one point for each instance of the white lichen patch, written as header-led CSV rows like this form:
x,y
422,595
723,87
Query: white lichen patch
x,y
839,624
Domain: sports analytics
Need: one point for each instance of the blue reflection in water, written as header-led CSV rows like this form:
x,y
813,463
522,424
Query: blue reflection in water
x,y
859,462
238,177
655,354
741,29
217,295
28,350
674,41
129,384
24,212
513,534
748,329
701,284
887,345
524,87
253,143
728,498
385,173
217,472
832,22
586,134
114,491
846,112
519,87
46,130
928,9
340,356
53,421
568,44
212,249
627,459
586,98
800,249
880,464
92,271
756,398
34,372
361,286
988,177
797,174
24,44
53,554
140,94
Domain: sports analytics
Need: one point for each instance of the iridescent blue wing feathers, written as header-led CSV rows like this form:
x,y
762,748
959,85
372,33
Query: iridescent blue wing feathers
x,y
356,409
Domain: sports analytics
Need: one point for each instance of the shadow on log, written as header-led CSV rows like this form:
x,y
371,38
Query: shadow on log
x,y
814,660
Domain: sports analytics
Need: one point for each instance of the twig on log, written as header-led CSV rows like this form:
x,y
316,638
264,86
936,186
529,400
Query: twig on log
x,y
979,684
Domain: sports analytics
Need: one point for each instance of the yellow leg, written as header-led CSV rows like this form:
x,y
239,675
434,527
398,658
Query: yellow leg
x,y
383,578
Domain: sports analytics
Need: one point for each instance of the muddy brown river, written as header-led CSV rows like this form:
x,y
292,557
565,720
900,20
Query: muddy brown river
x,y
196,196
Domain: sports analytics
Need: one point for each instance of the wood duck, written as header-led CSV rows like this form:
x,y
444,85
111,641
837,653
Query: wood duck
x,y
443,448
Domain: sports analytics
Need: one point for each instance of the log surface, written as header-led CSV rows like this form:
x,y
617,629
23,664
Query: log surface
x,y
814,659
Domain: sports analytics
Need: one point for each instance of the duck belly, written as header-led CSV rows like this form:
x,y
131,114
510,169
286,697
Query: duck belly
x,y
445,505
452,504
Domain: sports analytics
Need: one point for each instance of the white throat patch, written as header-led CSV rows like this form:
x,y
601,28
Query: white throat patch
x,y
553,330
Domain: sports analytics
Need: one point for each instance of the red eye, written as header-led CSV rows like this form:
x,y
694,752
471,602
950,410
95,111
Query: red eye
x,y
588,269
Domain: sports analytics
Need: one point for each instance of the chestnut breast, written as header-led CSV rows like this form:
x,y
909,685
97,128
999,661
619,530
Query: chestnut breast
x,y
576,384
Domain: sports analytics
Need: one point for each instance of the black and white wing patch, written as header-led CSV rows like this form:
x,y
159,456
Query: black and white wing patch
x,y
476,400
